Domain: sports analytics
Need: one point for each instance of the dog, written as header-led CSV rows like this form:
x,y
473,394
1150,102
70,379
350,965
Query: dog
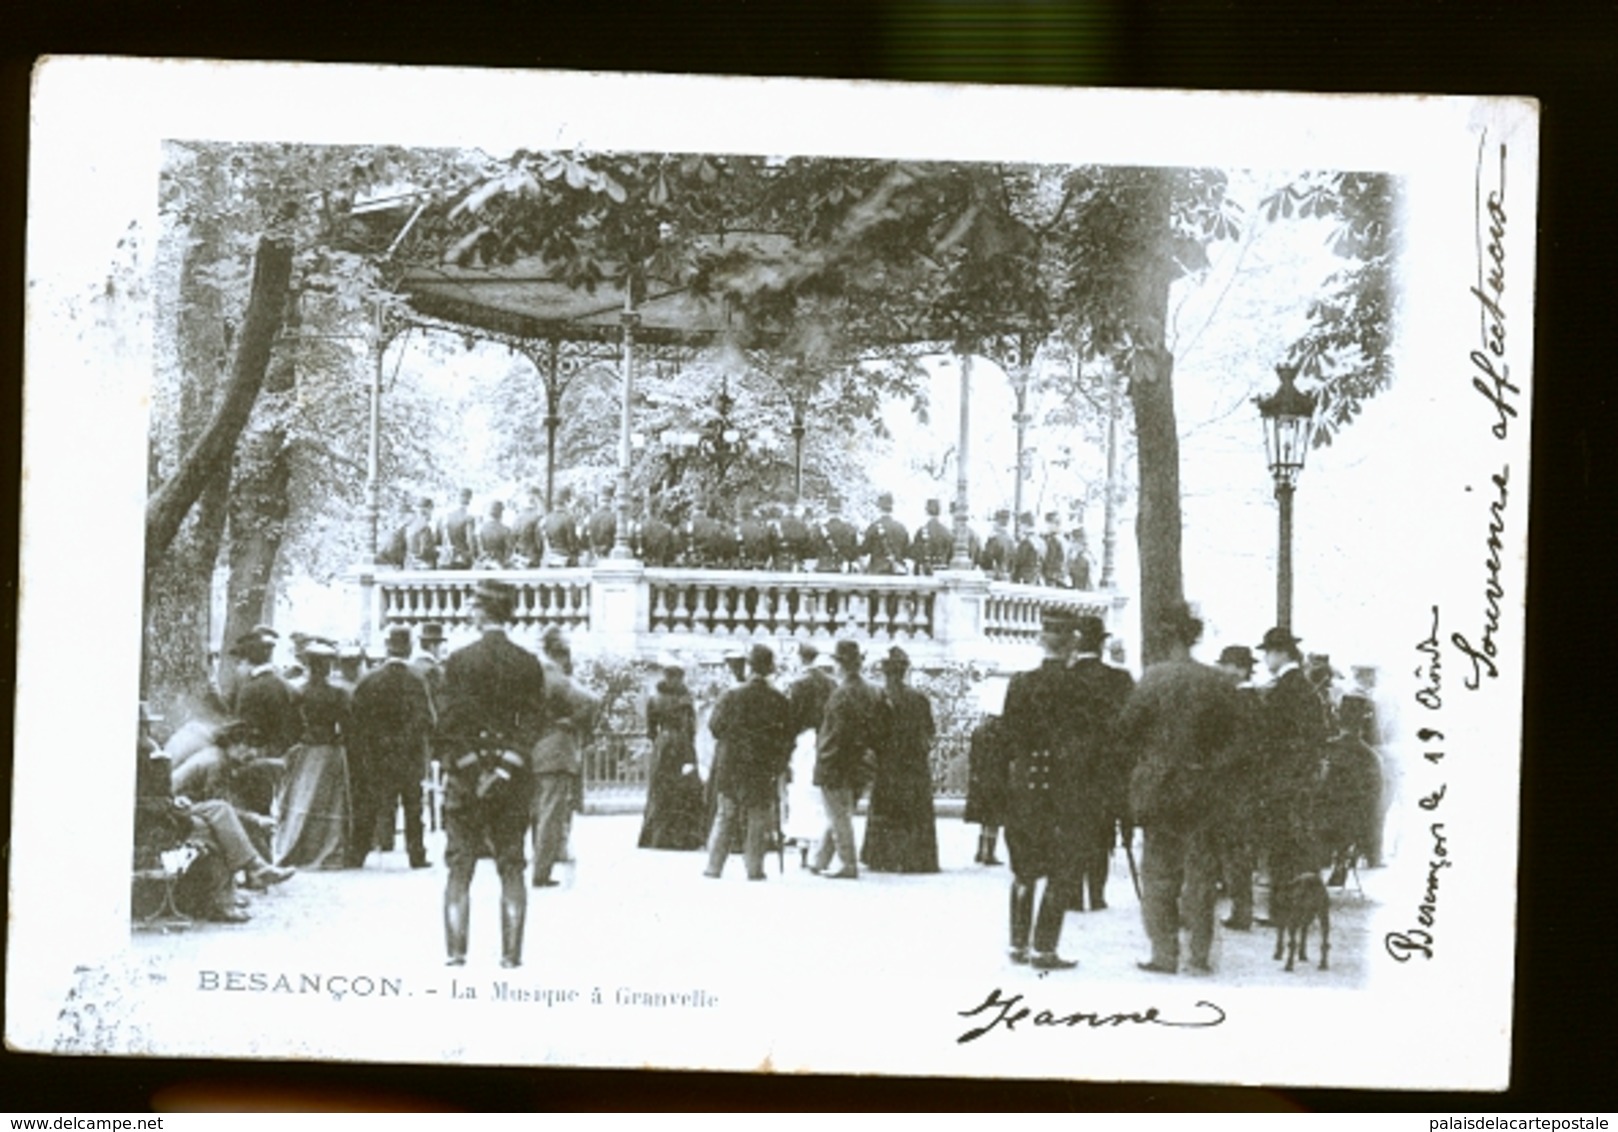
x,y
1298,903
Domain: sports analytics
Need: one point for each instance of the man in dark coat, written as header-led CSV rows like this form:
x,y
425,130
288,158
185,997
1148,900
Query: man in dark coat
x,y
754,724
1026,558
934,543
974,544
1181,722
562,543
391,724
492,713
1078,560
886,544
1236,826
1042,791
659,541
494,542
999,549
841,539
1053,557
421,538
851,732
1292,747
1100,692
602,528
794,542
455,549
266,704
528,538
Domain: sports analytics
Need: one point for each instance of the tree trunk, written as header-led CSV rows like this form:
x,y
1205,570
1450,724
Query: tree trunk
x,y
210,458
1151,392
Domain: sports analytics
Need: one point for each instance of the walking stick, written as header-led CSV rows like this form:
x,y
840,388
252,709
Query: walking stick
x,y
780,840
1129,855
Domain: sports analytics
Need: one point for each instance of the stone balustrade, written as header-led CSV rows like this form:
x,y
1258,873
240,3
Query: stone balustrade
x,y
624,608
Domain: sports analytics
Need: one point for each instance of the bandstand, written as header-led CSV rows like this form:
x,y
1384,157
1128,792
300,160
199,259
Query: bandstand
x,y
619,607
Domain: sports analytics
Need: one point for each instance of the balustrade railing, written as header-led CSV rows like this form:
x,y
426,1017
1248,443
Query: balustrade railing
x,y
1012,612
558,597
737,603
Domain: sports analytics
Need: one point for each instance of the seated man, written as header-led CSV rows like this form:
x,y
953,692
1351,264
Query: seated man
x,y
164,821
232,771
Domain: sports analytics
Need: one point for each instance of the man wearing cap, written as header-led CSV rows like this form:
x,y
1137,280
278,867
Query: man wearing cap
x,y
1025,560
1042,820
558,759
527,537
933,545
998,549
1292,733
886,544
1078,560
562,543
492,713
421,538
841,539
1237,817
455,536
1053,558
753,724
1099,693
392,725
1181,722
851,731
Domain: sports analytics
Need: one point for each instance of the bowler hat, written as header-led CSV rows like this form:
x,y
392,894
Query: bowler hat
x,y
320,650
670,662
252,644
1279,639
1238,656
897,660
432,633
848,653
1092,630
398,639
884,501
1179,622
761,659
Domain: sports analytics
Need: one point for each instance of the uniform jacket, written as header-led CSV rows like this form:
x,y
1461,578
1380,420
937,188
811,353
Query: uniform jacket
x,y
494,703
852,730
1037,728
796,543
843,540
528,541
757,540
561,538
603,528
753,725
1182,723
886,546
421,543
455,540
659,546
494,542
391,719
998,551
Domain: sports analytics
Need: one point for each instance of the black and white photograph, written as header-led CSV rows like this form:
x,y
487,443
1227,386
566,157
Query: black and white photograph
x,y
776,575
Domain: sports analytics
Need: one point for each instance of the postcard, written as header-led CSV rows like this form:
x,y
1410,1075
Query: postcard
x,y
616,570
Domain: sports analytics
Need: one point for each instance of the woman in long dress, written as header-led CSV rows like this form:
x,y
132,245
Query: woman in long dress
x,y
312,807
901,834
676,814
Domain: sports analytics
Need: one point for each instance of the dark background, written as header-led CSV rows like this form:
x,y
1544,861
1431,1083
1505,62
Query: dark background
x,y
1564,54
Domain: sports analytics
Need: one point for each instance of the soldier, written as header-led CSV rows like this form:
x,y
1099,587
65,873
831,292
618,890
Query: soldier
x,y
659,542
795,542
998,549
1041,790
493,542
421,538
562,544
602,529
1104,768
1025,560
886,544
1078,560
934,543
492,713
1053,557
528,535
757,540
1182,720
841,538
455,551
392,725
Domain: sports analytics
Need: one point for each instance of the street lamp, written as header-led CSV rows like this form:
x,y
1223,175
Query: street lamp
x,y
1289,423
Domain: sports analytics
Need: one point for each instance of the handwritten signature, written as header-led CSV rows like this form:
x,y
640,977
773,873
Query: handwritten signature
x,y
1493,376
1011,1011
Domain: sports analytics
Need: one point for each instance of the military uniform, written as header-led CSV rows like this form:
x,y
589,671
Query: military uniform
x,y
659,542
455,549
933,545
998,550
561,539
492,713
602,529
421,541
528,537
886,544
758,543
842,540
494,541
795,541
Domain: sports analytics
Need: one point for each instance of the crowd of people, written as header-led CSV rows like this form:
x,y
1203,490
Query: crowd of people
x,y
1228,779
760,537
1225,777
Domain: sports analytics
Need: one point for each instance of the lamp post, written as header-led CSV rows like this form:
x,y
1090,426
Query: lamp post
x,y
1289,423
1019,385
